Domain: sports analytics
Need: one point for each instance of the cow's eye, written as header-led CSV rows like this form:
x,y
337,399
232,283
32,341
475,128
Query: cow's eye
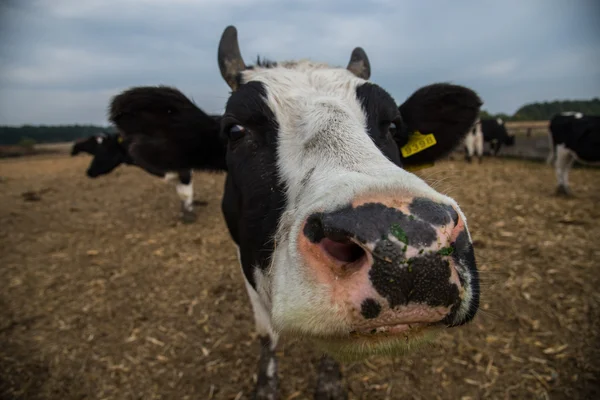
x,y
236,132
392,129
389,127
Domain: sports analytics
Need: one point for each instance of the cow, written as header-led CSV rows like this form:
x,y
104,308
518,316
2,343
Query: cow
x,y
573,137
474,143
337,243
494,133
111,150
88,145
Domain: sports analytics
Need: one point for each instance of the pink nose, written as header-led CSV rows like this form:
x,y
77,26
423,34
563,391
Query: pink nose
x,y
382,255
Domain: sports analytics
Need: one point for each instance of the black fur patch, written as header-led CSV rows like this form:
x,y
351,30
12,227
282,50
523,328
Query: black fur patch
x,y
254,197
166,131
368,223
447,111
465,255
381,111
418,280
432,212
370,308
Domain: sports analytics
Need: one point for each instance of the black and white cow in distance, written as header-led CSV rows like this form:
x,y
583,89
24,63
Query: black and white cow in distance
x,y
337,243
573,137
495,133
89,144
111,150
474,142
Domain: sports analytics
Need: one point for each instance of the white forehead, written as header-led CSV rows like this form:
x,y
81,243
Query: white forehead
x,y
99,139
297,79
300,91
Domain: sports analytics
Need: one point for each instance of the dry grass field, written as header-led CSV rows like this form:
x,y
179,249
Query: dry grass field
x,y
106,295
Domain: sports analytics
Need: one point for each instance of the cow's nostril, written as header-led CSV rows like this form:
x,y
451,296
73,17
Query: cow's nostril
x,y
345,251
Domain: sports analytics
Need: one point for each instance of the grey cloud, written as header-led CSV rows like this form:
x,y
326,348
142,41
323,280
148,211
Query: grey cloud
x,y
61,60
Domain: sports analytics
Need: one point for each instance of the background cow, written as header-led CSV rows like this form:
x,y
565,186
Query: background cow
x,y
337,243
573,136
495,133
474,143
111,150
88,145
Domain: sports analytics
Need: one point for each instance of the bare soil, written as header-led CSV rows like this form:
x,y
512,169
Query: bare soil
x,y
106,295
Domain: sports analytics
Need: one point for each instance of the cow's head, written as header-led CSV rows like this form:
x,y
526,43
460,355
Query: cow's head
x,y
109,152
87,145
340,242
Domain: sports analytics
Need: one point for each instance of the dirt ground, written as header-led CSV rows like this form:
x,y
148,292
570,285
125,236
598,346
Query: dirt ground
x,y
106,295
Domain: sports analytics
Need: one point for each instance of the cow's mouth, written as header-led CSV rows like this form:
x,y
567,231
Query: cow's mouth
x,y
391,330
386,340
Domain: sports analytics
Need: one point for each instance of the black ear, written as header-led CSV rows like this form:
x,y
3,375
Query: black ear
x,y
447,111
164,130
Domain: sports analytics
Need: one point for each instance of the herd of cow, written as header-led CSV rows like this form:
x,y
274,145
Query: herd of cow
x,y
337,242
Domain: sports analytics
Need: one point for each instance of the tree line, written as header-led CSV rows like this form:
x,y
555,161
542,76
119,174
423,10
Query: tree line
x,y
30,134
13,135
543,111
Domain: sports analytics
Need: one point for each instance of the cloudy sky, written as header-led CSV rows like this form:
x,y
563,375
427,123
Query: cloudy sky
x,y
62,60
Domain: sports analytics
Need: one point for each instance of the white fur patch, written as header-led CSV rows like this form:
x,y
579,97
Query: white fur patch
x,y
171,177
262,318
564,162
186,194
576,114
474,141
99,139
326,159
271,368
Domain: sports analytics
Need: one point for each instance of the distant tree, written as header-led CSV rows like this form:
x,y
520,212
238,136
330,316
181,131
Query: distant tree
x,y
11,135
541,111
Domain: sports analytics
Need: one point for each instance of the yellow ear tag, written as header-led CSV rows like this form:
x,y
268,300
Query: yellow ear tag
x,y
413,168
417,142
120,139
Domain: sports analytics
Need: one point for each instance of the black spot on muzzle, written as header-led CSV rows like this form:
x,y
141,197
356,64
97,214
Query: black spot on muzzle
x,y
464,255
370,308
432,212
368,223
424,280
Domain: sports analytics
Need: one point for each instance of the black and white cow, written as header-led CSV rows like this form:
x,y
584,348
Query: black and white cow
x,y
495,133
337,242
474,143
573,136
88,145
111,150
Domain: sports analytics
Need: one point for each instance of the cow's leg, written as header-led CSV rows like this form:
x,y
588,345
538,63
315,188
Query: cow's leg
x,y
497,148
185,190
267,382
330,384
552,154
467,156
564,162
479,148
468,150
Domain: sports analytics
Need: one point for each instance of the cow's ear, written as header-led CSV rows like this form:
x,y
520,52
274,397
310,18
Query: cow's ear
x,y
163,129
443,110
